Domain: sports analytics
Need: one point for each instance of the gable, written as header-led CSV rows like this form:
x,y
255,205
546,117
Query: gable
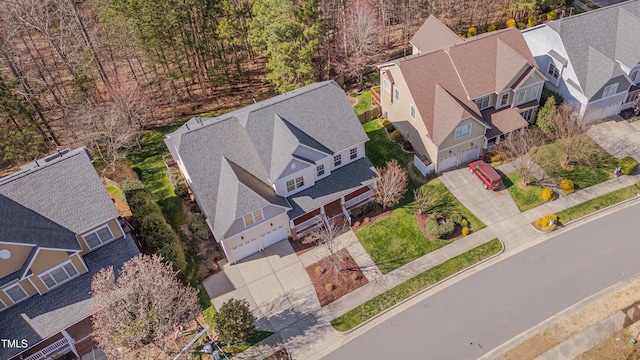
x,y
434,35
45,259
17,255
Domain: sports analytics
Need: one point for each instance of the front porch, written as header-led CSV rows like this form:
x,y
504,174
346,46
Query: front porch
x,y
503,122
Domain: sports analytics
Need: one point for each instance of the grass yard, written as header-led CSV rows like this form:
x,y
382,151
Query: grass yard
x,y
525,199
598,203
414,285
598,168
396,240
364,102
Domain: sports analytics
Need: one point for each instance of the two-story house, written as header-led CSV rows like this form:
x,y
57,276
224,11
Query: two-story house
x,y
592,59
276,168
454,99
58,227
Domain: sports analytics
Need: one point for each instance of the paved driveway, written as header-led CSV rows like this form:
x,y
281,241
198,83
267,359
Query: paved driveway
x,y
274,282
619,138
489,206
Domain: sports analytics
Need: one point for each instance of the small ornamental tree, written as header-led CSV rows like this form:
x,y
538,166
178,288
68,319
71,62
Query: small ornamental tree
x,y
391,184
234,323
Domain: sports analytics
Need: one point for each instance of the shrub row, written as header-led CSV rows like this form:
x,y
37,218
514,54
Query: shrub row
x,y
178,183
154,232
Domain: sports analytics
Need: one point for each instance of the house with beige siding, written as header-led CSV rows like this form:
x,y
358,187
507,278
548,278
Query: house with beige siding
x,y
454,99
58,227
275,169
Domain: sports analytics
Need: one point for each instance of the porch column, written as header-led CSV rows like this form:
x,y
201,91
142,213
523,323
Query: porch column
x,y
71,341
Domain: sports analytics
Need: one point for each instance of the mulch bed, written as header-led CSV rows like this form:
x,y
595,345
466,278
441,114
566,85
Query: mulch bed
x,y
281,354
422,224
331,284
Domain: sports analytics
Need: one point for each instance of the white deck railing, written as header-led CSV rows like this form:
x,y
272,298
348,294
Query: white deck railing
x,y
358,199
308,223
44,353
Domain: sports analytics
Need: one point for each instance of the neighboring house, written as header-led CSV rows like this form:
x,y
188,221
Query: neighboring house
x,y
276,168
454,99
58,227
592,58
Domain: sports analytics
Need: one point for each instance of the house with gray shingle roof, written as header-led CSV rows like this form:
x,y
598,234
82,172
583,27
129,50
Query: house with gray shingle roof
x,y
455,99
592,59
276,168
58,227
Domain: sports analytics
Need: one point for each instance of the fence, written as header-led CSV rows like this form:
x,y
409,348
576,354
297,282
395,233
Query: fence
x,y
370,115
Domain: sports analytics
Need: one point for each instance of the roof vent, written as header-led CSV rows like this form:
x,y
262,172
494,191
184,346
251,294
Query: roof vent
x,y
5,254
293,166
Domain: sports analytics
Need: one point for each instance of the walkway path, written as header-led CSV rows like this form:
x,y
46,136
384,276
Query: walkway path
x,y
319,337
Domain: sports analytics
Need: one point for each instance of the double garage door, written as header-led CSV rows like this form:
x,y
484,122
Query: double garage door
x,y
464,157
252,246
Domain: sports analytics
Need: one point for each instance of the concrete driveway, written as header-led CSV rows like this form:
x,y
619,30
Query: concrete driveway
x,y
274,282
619,138
489,206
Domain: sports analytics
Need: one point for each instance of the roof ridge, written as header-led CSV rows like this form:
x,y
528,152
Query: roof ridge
x,y
455,68
43,163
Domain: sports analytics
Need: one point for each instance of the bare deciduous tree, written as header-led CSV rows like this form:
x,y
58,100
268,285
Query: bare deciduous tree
x,y
391,184
568,130
361,30
325,236
138,310
515,149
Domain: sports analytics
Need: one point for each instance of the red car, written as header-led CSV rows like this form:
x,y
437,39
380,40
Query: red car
x,y
486,173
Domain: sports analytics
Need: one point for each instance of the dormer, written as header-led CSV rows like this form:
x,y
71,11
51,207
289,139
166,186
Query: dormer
x,y
555,67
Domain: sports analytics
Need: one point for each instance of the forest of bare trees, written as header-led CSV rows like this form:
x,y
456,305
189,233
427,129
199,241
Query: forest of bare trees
x,y
98,72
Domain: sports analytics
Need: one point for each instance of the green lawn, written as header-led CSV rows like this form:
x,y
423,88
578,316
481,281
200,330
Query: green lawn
x,y
525,199
414,285
599,166
598,203
364,102
396,240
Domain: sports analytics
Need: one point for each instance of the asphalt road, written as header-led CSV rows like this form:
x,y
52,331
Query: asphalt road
x,y
479,313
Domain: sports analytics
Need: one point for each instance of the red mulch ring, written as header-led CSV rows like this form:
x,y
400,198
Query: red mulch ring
x,y
369,218
281,354
422,224
331,284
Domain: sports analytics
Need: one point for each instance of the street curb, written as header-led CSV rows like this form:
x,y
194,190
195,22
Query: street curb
x,y
599,210
402,302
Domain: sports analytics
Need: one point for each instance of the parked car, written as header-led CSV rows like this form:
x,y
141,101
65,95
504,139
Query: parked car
x,y
488,175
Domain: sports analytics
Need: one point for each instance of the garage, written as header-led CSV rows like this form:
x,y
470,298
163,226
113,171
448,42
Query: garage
x,y
470,154
611,110
245,249
273,236
448,163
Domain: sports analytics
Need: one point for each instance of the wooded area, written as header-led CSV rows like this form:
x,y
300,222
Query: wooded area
x,y
98,72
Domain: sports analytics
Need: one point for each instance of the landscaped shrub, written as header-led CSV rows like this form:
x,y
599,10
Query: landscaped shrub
x,y
396,136
532,21
472,32
391,128
234,322
552,15
567,186
465,231
510,23
628,165
407,145
547,194
177,182
198,227
521,25
364,209
173,210
548,222
385,122
491,28
439,228
456,217
493,157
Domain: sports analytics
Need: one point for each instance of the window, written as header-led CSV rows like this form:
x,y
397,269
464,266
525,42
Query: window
x,y
320,170
631,97
483,103
553,70
59,275
252,218
2,305
634,75
98,237
353,153
299,182
397,95
291,185
337,160
386,85
504,99
534,93
610,90
412,111
16,293
463,131
527,115
521,97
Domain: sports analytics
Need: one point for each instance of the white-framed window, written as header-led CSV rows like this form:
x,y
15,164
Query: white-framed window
x,y
253,218
98,237
527,115
634,75
320,170
16,293
483,103
610,90
504,99
353,153
2,305
291,185
337,160
397,94
386,85
632,97
534,93
299,182
412,112
520,99
59,275
462,131
553,71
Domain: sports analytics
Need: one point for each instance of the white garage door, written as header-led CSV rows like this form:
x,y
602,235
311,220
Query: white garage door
x,y
245,249
470,154
448,163
273,236
611,110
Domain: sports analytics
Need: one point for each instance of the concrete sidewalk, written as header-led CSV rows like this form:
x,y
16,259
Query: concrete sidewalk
x,y
319,337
